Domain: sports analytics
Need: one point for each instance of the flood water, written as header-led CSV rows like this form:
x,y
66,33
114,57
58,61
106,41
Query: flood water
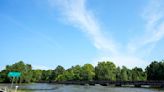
x,y
44,87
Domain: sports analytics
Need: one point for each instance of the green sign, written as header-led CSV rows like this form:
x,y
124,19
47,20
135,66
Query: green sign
x,y
14,74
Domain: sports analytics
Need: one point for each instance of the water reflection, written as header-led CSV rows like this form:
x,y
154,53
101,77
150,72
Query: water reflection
x,y
43,87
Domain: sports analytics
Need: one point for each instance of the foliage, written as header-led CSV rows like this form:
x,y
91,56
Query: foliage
x,y
88,72
58,71
118,74
103,71
46,75
3,76
25,69
36,75
138,74
67,75
76,72
124,74
155,71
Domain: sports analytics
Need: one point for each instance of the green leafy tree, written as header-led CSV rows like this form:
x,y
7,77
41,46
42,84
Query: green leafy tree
x,y
46,75
88,72
155,71
58,71
77,72
66,76
3,76
25,69
118,74
138,74
105,71
124,74
36,75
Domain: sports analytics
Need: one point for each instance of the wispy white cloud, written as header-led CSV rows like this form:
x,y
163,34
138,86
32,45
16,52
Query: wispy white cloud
x,y
153,16
77,13
80,16
123,60
41,67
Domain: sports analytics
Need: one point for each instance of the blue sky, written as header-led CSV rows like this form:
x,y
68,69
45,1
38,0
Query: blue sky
x,y
47,33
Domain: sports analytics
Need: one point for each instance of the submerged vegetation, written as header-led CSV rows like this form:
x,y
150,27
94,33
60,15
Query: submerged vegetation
x,y
103,71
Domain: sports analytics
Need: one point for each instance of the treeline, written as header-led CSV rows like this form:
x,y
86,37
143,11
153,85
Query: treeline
x,y
103,71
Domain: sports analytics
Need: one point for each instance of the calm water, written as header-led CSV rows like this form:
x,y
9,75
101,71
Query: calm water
x,y
43,87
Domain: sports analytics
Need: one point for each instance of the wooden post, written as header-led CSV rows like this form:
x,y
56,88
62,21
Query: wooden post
x,y
12,82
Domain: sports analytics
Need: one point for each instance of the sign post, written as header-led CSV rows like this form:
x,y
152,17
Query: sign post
x,y
14,75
